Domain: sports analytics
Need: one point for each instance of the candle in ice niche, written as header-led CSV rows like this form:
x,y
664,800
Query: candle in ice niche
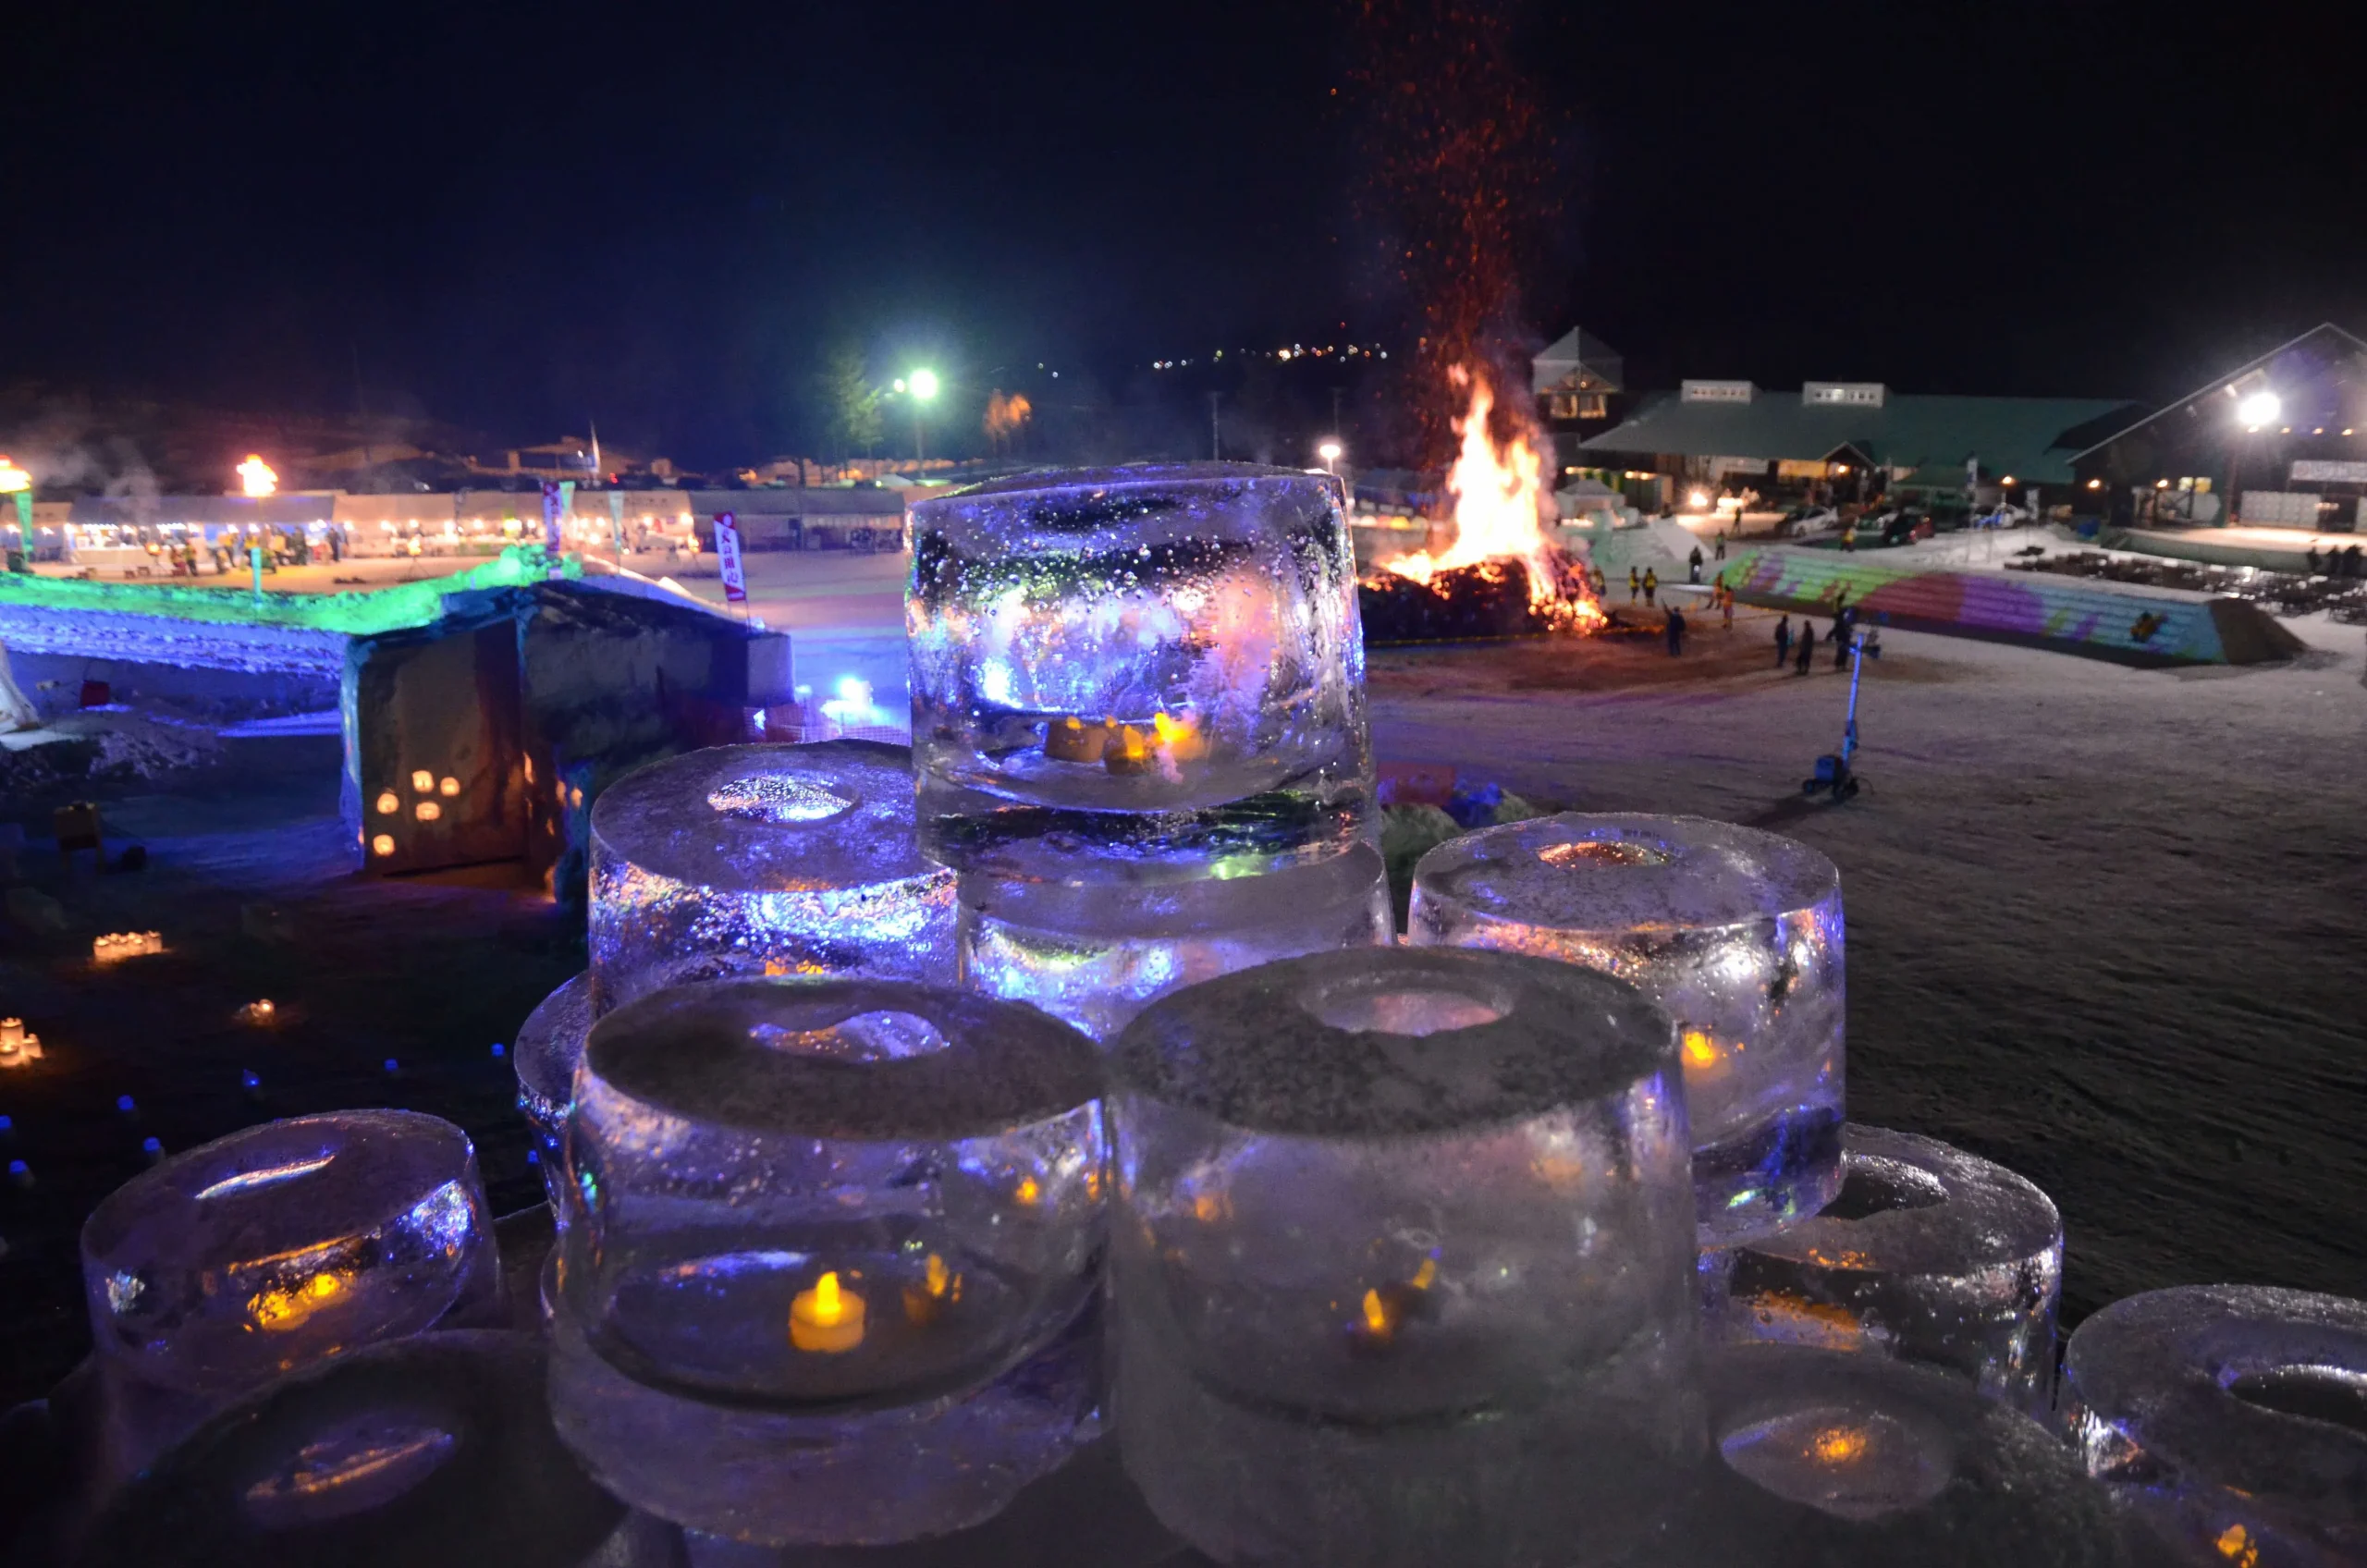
x,y
1928,1253
283,1244
903,1182
1096,953
1402,1232
1737,933
827,1319
2233,1418
1164,662
1843,1459
764,859
20,1047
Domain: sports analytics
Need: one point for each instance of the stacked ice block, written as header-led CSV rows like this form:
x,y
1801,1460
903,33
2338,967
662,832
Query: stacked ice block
x,y
1736,932
764,860
740,860
1929,1254
272,1249
837,1244
1138,723
2232,1417
1402,1267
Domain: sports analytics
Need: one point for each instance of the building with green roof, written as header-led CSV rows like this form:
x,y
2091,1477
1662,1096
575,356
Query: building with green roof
x,y
1857,438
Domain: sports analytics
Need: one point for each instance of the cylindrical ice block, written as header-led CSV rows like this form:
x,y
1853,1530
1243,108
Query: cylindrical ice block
x,y
764,860
436,1449
2234,1416
1159,665
1403,1267
846,1209
1929,1255
1095,954
1829,1459
548,1048
1736,932
276,1247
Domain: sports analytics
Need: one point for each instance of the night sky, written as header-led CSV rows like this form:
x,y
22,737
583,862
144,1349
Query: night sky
x,y
512,216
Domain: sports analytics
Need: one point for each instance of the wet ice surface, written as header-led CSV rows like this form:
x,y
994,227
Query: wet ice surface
x,y
762,859
1836,1459
1736,932
278,1245
1174,644
439,1449
549,1045
1929,1254
2098,930
1403,1233
825,1225
2236,1415
1095,954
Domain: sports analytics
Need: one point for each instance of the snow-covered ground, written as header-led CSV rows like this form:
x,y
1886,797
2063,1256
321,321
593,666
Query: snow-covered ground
x,y
2106,924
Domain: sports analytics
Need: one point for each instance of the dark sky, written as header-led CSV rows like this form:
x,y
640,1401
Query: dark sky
x,y
512,215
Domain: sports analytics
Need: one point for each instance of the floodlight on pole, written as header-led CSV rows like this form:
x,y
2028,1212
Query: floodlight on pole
x,y
2257,408
923,384
1330,452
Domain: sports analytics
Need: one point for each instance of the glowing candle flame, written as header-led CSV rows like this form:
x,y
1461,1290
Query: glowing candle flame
x,y
1376,1314
1838,1445
257,477
825,1320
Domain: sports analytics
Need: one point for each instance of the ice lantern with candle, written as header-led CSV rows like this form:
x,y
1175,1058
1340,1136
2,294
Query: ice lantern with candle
x,y
834,1242
1402,1267
1736,932
1159,665
764,860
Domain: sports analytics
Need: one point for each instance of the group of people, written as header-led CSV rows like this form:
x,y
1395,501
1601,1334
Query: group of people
x,y
1799,651
2342,563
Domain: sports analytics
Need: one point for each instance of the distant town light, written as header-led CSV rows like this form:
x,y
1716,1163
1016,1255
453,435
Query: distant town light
x,y
257,476
2095,484
924,383
2007,480
2259,408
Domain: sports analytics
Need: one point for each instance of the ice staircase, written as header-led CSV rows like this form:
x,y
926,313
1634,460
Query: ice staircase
x,y
2066,614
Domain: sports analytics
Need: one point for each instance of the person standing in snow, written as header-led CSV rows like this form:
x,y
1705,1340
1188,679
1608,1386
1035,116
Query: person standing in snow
x,y
1693,564
1676,632
1808,647
1635,585
1651,585
1782,641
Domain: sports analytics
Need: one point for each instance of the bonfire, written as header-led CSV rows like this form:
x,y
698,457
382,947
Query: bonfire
x,y
1501,576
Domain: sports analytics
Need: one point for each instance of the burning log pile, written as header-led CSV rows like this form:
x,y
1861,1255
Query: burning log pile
x,y
1487,599
1502,577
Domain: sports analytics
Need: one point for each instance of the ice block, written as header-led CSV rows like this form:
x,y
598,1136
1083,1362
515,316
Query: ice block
x,y
2234,1417
1402,1267
549,1046
1929,1254
435,1450
1096,953
1737,933
764,860
1158,667
1824,1459
276,1247
845,1213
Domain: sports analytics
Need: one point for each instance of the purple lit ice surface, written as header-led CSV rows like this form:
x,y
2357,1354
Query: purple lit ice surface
x,y
764,859
829,1231
1097,953
1929,1255
1402,1270
1737,933
1153,667
2233,1417
548,1047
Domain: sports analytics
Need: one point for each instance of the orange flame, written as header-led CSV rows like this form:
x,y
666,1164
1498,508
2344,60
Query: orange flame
x,y
257,476
1500,498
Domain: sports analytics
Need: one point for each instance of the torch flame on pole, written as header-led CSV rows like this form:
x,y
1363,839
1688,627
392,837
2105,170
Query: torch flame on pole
x,y
12,478
257,476
1500,497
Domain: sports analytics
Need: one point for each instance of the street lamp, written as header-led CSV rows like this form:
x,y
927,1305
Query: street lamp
x,y
2253,410
1330,453
924,388
2258,409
